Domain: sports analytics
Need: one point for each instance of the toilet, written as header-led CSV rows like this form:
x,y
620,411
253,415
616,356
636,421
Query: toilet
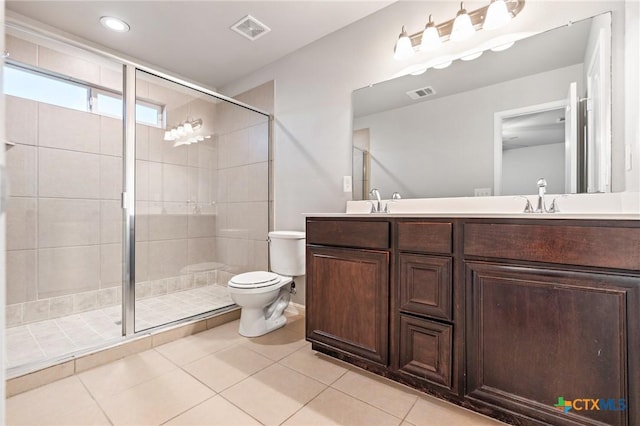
x,y
263,296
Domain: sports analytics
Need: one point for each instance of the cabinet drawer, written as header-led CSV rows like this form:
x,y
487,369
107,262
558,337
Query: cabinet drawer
x,y
425,285
425,350
349,233
608,247
428,237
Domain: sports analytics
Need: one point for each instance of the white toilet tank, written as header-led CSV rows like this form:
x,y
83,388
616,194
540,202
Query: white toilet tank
x,y
287,252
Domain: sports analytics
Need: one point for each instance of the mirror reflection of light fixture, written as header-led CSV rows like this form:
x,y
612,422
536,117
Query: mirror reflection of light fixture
x,y
464,25
182,130
430,36
472,56
502,47
443,65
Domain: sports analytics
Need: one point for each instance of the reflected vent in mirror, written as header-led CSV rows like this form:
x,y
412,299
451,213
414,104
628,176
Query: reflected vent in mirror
x,y
423,92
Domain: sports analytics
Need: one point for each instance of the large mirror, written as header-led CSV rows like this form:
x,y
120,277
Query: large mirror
x,y
495,124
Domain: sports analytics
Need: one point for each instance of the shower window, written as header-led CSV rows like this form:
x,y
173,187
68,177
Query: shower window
x,y
41,86
109,103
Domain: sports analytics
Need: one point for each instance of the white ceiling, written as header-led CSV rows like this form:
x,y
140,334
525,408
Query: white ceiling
x,y
193,39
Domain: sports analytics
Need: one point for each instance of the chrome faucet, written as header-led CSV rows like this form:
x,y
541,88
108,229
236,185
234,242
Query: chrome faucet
x,y
377,206
542,189
541,207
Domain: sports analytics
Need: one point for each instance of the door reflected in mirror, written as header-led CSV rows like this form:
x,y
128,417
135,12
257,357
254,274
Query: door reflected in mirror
x,y
450,143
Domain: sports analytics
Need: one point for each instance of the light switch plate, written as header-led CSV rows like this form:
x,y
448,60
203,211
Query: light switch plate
x,y
347,184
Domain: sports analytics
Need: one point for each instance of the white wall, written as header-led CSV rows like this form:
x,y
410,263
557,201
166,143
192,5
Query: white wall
x,y
522,167
313,130
446,144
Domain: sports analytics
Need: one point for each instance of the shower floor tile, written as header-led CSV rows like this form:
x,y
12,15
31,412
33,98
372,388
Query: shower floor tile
x,y
45,340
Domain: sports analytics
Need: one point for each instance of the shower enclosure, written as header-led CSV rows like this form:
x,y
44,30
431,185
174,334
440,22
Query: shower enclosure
x,y
133,198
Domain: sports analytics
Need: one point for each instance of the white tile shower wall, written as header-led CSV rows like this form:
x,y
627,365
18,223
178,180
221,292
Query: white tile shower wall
x,y
65,222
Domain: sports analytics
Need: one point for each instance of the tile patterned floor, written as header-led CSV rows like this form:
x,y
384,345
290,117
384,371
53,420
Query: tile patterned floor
x,y
40,341
218,377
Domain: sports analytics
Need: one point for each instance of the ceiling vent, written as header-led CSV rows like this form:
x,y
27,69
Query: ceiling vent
x,y
250,28
423,92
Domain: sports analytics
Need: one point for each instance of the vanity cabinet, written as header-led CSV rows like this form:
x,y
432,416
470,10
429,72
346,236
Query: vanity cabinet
x,y
502,316
552,311
350,288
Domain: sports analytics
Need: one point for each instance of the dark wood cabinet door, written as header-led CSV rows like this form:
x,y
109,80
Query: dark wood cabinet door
x,y
425,350
347,306
536,335
425,285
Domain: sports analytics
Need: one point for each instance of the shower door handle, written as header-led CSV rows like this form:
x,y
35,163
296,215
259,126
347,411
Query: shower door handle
x,y
3,189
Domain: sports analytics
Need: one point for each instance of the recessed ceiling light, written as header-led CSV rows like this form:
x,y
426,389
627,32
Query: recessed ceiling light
x,y
114,24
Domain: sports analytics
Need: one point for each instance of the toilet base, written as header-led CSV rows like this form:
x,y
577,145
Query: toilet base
x,y
256,322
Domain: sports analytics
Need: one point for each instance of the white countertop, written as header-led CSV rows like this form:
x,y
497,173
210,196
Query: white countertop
x,y
583,216
610,206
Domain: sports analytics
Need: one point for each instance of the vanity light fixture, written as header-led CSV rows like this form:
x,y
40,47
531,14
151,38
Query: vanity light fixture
x,y
462,27
497,15
430,36
114,24
403,48
494,15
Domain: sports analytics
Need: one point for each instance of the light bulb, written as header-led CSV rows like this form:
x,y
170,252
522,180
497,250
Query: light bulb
x,y
174,134
187,128
403,48
180,131
497,15
430,36
462,26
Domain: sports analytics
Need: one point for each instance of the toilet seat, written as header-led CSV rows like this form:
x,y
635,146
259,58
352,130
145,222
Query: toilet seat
x,y
255,279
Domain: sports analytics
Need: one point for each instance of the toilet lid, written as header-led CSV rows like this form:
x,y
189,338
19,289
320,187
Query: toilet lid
x,y
254,279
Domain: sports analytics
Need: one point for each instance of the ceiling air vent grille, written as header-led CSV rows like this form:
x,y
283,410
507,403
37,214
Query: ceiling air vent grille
x,y
423,92
250,28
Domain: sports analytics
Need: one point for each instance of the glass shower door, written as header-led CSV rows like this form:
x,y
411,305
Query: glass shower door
x,y
182,252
